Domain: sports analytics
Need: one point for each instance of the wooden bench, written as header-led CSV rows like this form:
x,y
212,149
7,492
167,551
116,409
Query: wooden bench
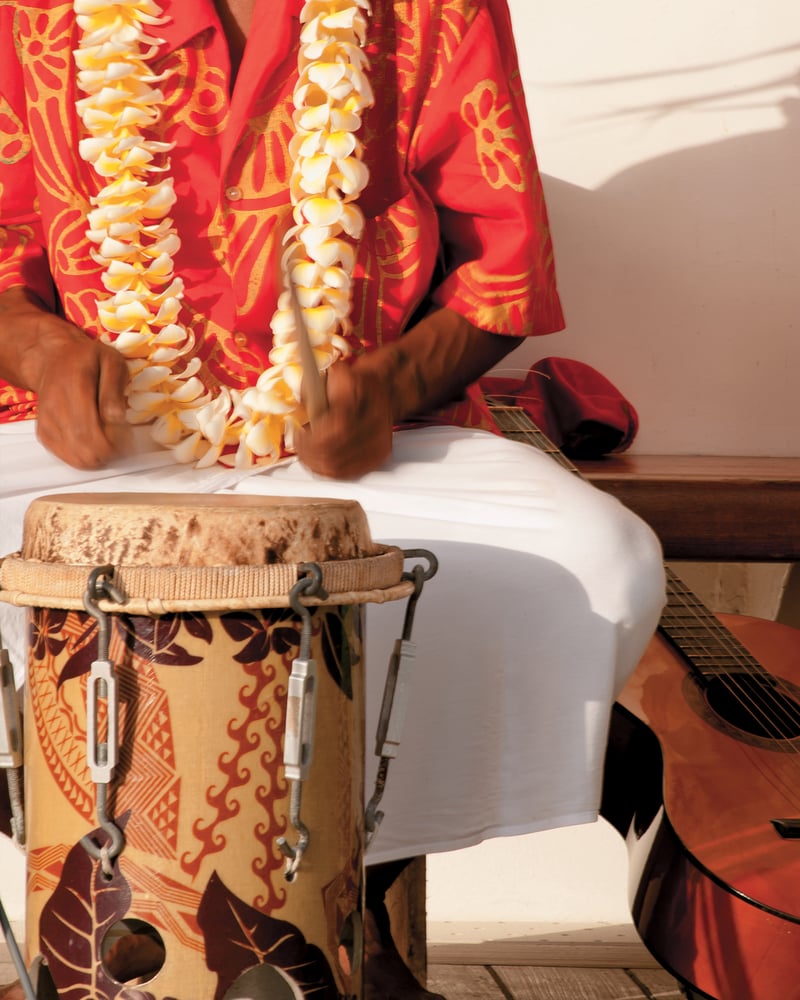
x,y
709,507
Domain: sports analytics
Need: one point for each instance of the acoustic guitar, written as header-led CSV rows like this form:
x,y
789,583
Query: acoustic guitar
x,y
703,781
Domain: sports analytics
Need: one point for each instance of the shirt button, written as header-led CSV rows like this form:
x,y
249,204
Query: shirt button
x,y
233,193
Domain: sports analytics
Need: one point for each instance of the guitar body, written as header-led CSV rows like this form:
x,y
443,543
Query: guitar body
x,y
714,887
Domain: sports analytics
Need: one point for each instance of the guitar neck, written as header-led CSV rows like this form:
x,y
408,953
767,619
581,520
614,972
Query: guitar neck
x,y
687,623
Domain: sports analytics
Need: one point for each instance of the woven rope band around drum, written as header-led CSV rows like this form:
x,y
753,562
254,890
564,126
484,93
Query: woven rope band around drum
x,y
154,590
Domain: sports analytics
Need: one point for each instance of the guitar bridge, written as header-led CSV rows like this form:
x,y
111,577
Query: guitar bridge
x,y
789,829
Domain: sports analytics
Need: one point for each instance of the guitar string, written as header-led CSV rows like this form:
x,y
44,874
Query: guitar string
x,y
784,780
768,706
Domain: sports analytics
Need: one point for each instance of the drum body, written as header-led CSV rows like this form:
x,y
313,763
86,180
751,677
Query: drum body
x,y
197,904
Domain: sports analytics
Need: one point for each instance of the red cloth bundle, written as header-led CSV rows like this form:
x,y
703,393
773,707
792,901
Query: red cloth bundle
x,y
575,406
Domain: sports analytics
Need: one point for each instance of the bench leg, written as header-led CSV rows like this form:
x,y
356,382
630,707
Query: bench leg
x,y
405,902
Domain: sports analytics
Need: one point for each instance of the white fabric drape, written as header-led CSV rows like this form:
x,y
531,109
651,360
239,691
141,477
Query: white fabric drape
x,y
546,596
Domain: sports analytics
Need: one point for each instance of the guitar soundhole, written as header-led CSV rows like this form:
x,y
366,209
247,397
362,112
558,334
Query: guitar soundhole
x,y
756,705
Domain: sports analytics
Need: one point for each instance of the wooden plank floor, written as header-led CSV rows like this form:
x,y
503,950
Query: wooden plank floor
x,y
515,982
553,965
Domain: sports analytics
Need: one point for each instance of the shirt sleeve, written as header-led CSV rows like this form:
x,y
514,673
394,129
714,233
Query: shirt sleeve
x,y
475,157
23,259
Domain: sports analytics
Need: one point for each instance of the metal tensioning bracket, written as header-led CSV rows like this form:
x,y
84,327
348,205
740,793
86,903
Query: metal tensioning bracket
x,y
301,713
102,753
11,744
397,689
11,762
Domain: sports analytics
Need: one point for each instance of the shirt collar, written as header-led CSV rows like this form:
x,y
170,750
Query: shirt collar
x,y
187,18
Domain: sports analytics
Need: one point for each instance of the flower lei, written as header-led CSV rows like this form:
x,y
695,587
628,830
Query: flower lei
x,y
135,241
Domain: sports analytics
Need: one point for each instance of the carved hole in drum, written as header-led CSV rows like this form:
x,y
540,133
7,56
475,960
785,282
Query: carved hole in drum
x,y
133,951
350,953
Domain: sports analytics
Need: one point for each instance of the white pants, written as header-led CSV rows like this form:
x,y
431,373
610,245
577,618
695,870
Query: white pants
x,y
547,593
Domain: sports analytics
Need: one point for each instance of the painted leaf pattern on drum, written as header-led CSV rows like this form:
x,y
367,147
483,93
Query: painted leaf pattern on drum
x,y
260,633
339,655
45,633
154,640
239,937
75,921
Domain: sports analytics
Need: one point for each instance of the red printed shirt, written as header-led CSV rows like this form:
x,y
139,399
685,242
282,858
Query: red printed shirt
x,y
454,209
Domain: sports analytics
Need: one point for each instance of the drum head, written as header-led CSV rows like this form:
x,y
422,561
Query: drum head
x,y
198,552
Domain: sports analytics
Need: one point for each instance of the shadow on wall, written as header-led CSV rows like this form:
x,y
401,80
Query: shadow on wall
x,y
681,282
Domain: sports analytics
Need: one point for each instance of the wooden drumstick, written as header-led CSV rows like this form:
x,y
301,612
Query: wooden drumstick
x,y
313,386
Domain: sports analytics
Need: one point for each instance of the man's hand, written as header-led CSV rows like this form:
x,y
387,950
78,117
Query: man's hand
x,y
429,366
354,435
80,382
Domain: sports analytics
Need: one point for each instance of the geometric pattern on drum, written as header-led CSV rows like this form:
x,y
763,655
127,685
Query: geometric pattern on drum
x,y
154,799
59,710
266,642
64,645
44,866
50,633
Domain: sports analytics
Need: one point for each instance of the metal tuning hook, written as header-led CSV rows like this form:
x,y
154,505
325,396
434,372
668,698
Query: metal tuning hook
x,y
301,713
102,753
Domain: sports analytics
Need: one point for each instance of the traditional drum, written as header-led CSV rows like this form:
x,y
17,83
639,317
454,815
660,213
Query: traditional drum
x,y
181,841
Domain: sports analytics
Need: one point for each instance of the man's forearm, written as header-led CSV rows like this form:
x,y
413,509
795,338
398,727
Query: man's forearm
x,y
79,382
434,362
21,316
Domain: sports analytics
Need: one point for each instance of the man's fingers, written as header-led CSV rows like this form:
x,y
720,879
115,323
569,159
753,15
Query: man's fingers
x,y
82,407
112,383
111,401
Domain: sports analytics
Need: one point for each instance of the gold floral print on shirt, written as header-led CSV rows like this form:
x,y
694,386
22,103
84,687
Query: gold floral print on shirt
x,y
493,297
499,150
455,22
189,72
15,144
49,55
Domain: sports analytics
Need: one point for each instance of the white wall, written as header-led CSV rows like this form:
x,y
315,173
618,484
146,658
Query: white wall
x,y
12,878
668,134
